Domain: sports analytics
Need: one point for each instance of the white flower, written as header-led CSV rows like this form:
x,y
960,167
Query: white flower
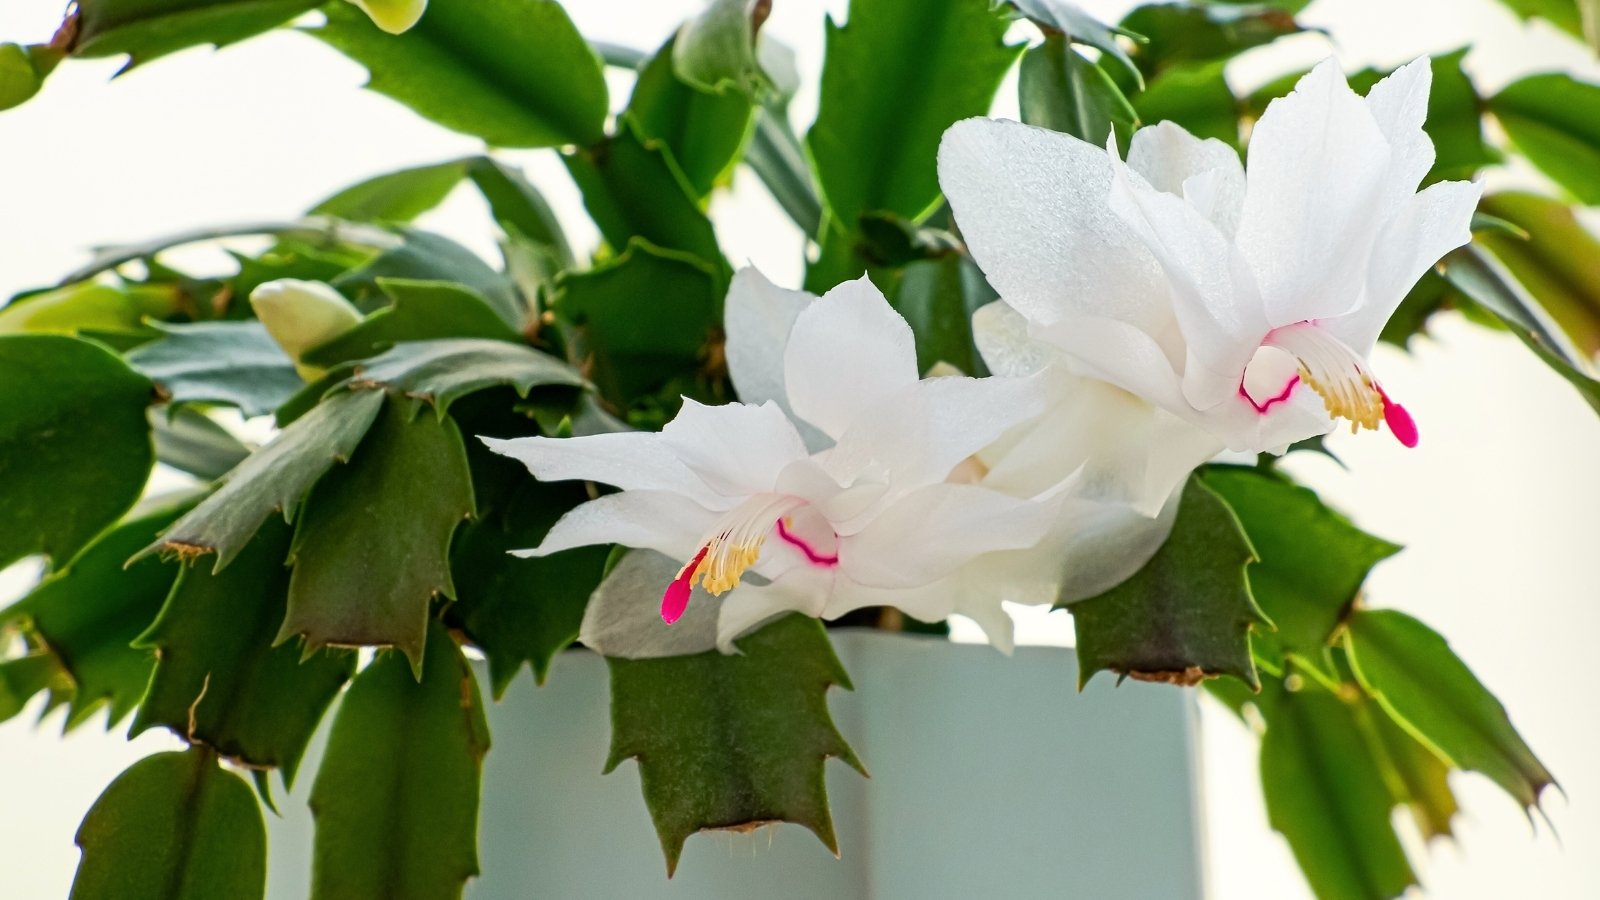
x,y
393,16
829,484
1245,301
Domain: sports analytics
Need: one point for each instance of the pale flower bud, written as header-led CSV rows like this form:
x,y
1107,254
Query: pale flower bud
x,y
302,315
393,16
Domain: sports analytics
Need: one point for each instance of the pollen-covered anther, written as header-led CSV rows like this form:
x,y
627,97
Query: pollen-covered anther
x,y
1337,374
1356,400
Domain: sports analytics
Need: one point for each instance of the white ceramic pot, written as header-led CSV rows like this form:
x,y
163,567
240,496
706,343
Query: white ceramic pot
x,y
992,777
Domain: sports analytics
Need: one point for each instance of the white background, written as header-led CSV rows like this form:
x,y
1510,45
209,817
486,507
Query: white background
x,y
1495,506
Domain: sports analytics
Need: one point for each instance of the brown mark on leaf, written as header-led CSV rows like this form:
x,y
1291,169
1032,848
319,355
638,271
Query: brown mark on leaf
x,y
750,827
65,39
759,11
186,552
1188,677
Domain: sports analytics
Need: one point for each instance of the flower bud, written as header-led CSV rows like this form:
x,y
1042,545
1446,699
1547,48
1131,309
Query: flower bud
x,y
301,316
393,16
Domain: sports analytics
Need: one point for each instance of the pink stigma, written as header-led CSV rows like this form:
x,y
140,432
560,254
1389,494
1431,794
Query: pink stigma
x,y
812,556
1261,408
1400,422
676,598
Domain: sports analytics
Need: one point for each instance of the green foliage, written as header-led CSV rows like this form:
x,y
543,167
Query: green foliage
x,y
440,372
174,826
1178,34
232,363
632,187
522,610
50,450
1579,18
1420,778
717,49
897,74
513,72
420,310
1325,793
1312,561
1422,683
1487,287
146,29
1555,259
1554,120
711,755
23,71
1187,614
272,479
1061,90
395,196
423,256
642,318
703,128
188,440
1195,96
87,307
938,297
396,796
218,679
87,615
1064,21
409,482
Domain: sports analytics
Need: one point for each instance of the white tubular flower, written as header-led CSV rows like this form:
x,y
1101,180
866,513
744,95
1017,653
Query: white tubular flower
x,y
393,16
829,484
1243,300
302,316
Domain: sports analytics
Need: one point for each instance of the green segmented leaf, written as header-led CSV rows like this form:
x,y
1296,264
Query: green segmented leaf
x,y
174,826
420,310
441,372
396,795
424,256
896,75
1311,560
1422,683
146,29
408,482
1325,793
1554,119
272,479
233,363
513,72
49,449
218,680
703,128
1061,90
711,753
88,614
1187,614
1556,259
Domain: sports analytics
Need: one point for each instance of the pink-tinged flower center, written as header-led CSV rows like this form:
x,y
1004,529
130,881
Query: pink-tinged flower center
x,y
733,546
813,556
1339,376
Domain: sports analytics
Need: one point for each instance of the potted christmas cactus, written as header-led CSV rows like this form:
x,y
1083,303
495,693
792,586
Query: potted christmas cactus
x,y
1051,363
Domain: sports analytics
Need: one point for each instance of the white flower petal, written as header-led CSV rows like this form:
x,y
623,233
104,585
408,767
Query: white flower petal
x,y
934,530
1100,545
1317,172
1001,334
749,606
623,620
1399,105
1429,225
630,460
920,434
1031,205
1213,295
1118,448
737,449
758,317
651,520
1121,354
1172,160
847,351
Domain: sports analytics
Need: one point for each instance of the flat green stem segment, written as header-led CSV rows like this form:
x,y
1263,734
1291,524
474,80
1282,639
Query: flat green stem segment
x,y
87,614
713,753
75,447
523,610
897,74
1187,614
273,479
396,795
234,363
1421,682
219,681
146,29
371,550
1313,561
1326,794
513,72
174,826
439,372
